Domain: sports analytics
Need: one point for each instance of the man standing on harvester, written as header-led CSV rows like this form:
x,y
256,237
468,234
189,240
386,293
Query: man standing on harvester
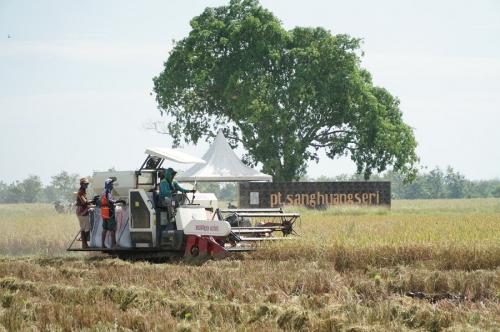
x,y
82,211
107,205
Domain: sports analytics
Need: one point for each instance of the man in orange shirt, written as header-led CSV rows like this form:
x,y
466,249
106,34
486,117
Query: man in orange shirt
x,y
107,205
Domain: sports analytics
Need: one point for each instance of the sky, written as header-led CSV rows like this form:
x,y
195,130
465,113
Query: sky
x,y
76,77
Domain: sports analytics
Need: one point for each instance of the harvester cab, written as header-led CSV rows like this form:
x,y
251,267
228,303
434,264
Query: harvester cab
x,y
183,226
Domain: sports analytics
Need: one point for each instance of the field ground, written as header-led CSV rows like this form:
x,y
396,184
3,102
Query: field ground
x,y
426,265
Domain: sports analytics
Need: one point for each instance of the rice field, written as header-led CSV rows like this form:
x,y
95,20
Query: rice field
x,y
423,265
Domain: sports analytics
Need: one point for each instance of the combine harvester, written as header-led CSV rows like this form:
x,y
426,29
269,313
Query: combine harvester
x,y
193,227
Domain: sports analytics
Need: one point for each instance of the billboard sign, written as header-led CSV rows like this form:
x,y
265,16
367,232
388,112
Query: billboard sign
x,y
314,194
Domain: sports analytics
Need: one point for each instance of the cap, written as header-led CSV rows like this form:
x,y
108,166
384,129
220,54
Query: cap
x,y
84,181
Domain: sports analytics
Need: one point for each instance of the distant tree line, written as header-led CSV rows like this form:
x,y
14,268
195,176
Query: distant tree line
x,y
63,186
31,190
433,184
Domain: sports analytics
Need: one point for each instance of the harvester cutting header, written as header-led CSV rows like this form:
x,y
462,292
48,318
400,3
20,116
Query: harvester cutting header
x,y
146,214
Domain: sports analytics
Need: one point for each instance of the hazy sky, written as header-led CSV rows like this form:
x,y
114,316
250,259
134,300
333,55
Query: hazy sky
x,y
75,77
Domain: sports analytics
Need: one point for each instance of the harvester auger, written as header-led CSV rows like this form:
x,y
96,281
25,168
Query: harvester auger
x,y
186,228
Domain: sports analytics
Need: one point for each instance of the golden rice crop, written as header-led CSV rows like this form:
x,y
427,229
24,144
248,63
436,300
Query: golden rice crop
x,y
350,269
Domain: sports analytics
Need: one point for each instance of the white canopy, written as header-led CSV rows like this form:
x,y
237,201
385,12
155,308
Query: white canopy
x,y
222,165
174,155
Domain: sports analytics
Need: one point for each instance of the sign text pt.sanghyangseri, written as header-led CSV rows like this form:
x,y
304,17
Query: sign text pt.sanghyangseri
x,y
314,194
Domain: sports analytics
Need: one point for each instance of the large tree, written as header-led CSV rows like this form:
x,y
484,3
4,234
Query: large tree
x,y
283,95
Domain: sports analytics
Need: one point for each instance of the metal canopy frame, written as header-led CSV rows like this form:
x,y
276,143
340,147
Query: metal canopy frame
x,y
151,163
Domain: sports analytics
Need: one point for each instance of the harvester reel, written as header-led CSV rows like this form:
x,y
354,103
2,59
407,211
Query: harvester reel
x,y
288,228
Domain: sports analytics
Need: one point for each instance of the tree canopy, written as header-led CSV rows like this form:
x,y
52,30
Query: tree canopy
x,y
283,95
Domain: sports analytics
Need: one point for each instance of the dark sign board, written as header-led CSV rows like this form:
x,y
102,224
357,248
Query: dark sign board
x,y
313,194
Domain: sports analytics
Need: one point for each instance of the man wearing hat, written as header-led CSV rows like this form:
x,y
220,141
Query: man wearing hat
x,y
82,211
